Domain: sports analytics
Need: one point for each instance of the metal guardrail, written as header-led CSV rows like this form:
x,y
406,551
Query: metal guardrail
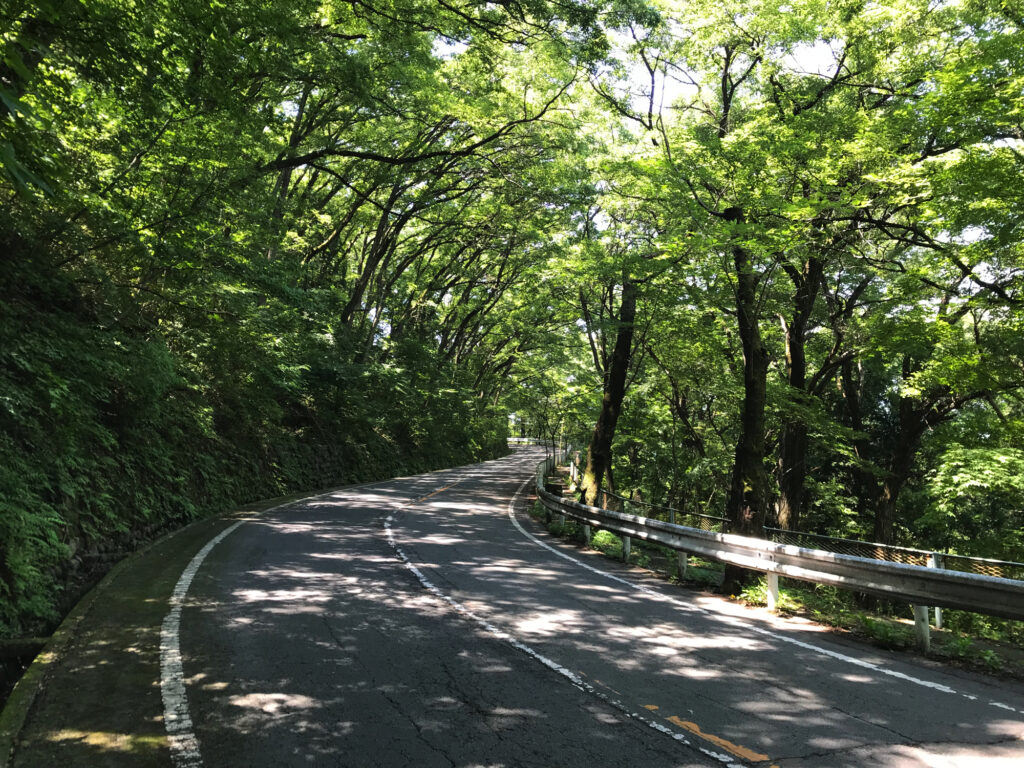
x,y
618,503
1004,569
916,584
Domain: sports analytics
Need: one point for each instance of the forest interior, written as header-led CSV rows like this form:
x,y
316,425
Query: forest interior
x,y
761,260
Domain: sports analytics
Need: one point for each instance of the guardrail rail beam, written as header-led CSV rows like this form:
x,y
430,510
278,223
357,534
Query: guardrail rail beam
x,y
915,584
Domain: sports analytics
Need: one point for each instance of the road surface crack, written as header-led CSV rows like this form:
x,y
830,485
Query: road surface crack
x,y
903,739
421,734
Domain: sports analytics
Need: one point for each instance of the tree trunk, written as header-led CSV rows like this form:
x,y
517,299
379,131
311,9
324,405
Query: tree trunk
x,y
745,507
385,239
599,453
792,474
793,450
911,427
863,480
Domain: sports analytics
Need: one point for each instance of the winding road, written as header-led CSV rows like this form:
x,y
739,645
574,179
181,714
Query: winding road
x,y
426,621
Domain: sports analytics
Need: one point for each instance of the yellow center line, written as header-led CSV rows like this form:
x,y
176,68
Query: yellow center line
x,y
736,749
432,493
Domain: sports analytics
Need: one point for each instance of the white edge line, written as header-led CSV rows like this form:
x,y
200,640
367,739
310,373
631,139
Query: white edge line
x,y
177,720
181,736
745,625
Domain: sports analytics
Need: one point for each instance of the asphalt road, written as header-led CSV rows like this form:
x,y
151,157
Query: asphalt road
x,y
415,623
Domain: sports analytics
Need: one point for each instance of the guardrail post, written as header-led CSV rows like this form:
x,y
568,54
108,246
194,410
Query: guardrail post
x,y
935,561
772,591
921,629
905,582
625,548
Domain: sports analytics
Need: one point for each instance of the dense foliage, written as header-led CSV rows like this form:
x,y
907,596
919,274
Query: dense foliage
x,y
819,208
254,247
763,259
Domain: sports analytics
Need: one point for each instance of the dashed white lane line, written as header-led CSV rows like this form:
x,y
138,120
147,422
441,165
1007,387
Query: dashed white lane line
x,y
181,735
877,668
551,664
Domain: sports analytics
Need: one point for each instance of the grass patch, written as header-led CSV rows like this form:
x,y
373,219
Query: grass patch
x,y
608,543
994,646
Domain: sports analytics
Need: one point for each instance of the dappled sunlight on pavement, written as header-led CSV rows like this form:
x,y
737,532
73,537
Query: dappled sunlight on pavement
x,y
695,654
305,638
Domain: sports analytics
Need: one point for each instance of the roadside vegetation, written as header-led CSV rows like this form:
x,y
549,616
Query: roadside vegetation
x,y
760,261
981,643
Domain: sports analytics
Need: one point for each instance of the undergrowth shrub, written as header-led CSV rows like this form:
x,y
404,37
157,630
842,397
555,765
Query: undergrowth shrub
x,y
113,431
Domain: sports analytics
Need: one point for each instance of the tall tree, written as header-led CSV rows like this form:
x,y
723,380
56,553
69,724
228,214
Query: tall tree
x,y
615,369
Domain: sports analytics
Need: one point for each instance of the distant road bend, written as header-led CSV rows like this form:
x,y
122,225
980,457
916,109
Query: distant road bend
x,y
426,622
